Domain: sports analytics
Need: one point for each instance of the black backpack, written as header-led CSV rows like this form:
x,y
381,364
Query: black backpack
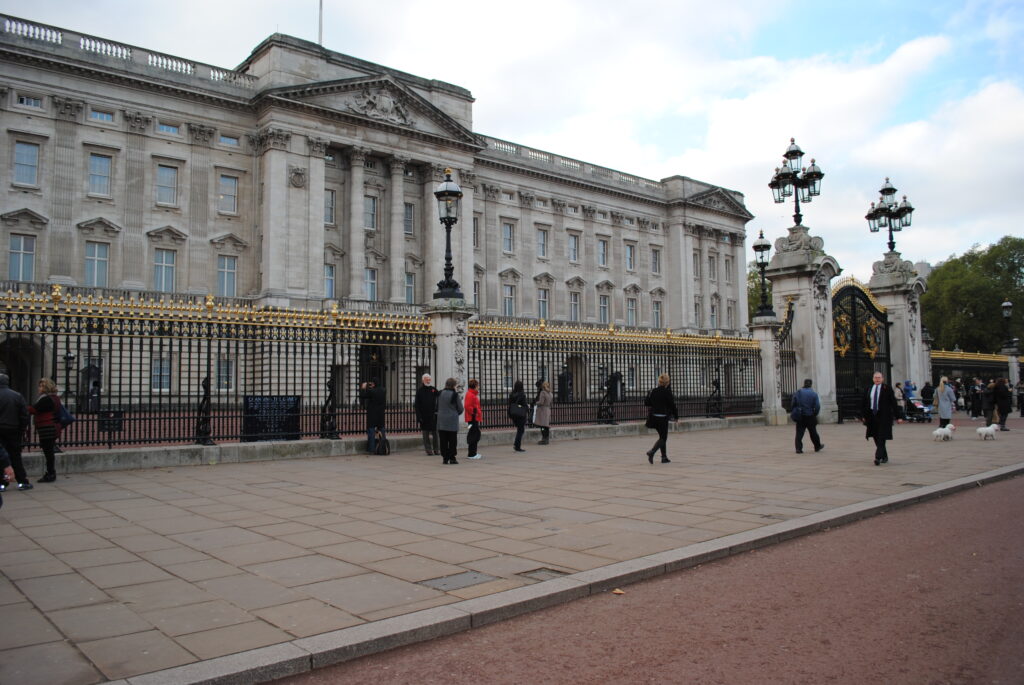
x,y
383,446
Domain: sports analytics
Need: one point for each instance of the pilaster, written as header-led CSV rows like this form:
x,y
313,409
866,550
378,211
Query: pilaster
x,y
134,246
433,232
396,236
462,249
356,233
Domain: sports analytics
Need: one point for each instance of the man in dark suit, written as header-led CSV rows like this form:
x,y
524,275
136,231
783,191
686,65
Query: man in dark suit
x,y
375,403
878,411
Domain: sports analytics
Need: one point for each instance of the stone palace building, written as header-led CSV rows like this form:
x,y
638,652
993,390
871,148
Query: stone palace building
x,y
305,176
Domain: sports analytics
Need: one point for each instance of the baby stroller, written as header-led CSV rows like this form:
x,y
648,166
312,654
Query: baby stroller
x,y
917,412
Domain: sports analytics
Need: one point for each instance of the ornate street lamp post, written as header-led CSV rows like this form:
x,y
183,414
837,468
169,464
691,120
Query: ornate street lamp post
x,y
1007,315
449,200
791,179
69,361
761,249
889,213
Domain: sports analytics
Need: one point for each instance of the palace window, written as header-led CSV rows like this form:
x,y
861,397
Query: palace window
x,y
26,163
99,174
696,264
100,115
656,313
630,257
713,267
227,269
330,206
574,247
603,308
160,373
728,269
410,288
30,101
630,311
329,279
543,295
713,316
166,185
229,140
21,258
508,300
409,218
163,270
542,242
225,374
476,294
655,260
476,231
508,236
602,252
227,195
370,281
369,212
97,258
172,129
574,306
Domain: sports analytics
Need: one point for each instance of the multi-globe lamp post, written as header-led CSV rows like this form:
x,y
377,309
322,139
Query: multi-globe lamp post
x,y
1007,307
761,249
889,213
793,180
449,201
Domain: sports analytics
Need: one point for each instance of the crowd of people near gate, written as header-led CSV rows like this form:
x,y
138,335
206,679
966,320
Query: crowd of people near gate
x,y
989,400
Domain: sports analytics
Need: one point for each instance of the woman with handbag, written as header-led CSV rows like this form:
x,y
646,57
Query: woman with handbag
x,y
542,412
46,412
449,409
517,410
661,407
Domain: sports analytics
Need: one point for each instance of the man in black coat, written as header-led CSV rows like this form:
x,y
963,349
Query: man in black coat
x,y
878,411
426,414
13,422
1003,397
375,402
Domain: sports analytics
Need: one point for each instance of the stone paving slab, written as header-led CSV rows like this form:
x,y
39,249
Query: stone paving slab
x,y
241,572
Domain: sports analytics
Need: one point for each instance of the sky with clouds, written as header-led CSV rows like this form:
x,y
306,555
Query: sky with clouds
x,y
929,93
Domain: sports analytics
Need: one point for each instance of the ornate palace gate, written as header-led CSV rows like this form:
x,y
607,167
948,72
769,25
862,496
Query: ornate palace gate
x,y
860,327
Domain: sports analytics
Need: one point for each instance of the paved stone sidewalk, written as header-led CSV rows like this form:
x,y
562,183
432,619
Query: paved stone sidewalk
x,y
110,575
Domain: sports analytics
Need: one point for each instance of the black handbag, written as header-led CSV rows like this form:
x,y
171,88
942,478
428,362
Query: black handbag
x,y
652,422
517,411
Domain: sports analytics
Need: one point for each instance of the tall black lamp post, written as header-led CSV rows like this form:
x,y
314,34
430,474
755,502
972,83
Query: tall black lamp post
x,y
449,200
69,360
1007,315
791,179
761,249
889,213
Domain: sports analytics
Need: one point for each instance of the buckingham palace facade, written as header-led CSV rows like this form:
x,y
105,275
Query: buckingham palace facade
x,y
305,176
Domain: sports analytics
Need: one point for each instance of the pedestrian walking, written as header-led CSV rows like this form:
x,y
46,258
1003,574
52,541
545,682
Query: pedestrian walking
x,y
661,408
473,417
806,405
988,401
46,413
13,422
449,411
375,402
1003,397
945,400
927,394
977,390
901,402
425,405
878,411
1020,397
909,389
517,410
542,413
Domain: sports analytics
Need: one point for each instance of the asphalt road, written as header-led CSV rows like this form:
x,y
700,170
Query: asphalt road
x,y
929,594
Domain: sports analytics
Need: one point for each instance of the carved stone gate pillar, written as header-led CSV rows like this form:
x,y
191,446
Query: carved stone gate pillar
x,y
451,335
801,270
898,288
764,330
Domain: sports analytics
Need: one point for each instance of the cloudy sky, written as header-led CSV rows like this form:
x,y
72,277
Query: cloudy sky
x,y
930,93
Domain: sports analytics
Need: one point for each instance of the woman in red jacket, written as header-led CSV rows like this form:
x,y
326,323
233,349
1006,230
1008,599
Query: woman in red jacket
x,y
473,417
45,411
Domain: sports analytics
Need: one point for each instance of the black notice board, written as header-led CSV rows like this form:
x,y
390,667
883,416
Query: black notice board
x,y
270,417
111,421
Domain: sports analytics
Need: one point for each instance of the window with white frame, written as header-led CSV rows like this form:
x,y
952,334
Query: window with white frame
x,y
166,184
656,314
542,242
713,316
229,140
369,212
227,194
696,264
30,101
712,267
227,270
330,206
631,378
99,174
160,372
163,270
655,260
21,264
574,247
507,374
476,294
225,374
698,314
100,115
172,129
730,317
26,163
543,295
97,259
631,311
370,283
410,288
574,306
508,300
602,252
508,236
604,306
727,265
630,257
329,279
476,231
409,218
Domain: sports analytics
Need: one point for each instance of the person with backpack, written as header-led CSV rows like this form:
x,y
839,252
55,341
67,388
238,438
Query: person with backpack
x,y
47,415
806,405
449,411
375,402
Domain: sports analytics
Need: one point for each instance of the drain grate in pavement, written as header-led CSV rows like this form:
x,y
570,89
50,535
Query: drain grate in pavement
x,y
458,581
542,574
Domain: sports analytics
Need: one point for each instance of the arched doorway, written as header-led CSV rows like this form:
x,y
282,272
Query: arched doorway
x,y
860,329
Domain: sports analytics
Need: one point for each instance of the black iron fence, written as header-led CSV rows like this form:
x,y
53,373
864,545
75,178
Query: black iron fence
x,y
967,366
600,374
145,372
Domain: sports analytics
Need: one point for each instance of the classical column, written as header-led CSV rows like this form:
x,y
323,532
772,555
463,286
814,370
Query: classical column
x,y
313,275
396,241
433,232
134,272
463,249
61,240
705,281
690,282
740,279
490,237
199,275
271,146
356,233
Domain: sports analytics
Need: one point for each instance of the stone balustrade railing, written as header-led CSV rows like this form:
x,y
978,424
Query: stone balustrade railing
x,y
87,46
562,164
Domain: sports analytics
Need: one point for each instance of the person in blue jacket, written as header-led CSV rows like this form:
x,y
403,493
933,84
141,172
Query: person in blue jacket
x,y
806,405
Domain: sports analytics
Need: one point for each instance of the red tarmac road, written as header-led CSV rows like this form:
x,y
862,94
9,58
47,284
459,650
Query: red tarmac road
x,y
929,594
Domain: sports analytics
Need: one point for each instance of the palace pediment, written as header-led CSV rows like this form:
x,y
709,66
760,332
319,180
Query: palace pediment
x,y
24,217
229,241
167,235
379,100
719,200
98,226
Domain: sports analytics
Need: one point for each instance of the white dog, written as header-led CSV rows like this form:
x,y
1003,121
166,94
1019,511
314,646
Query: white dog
x,y
986,432
945,433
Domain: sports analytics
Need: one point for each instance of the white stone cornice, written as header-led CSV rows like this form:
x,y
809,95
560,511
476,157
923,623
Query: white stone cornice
x,y
24,218
166,235
99,225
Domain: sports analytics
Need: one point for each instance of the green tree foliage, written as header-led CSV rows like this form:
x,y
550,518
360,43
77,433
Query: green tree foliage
x,y
754,289
962,307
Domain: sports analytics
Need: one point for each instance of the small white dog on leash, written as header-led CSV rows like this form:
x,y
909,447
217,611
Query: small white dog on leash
x,y
986,432
944,433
